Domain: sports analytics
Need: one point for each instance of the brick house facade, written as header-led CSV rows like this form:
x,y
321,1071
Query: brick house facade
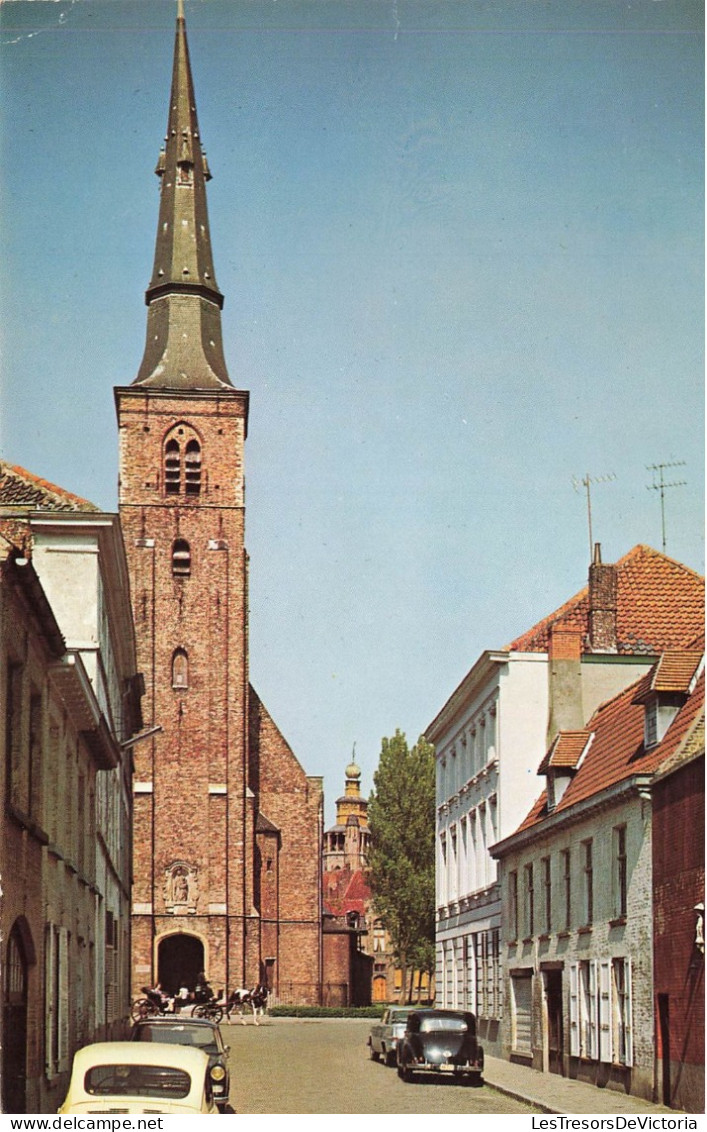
x,y
227,824
678,795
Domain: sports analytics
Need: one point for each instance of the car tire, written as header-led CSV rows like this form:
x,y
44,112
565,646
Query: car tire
x,y
390,1058
373,1054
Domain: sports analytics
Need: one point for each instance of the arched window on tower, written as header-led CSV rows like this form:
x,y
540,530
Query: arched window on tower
x,y
192,468
180,669
172,467
181,558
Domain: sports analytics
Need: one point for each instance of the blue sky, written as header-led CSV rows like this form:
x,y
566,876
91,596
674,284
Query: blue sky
x,y
461,245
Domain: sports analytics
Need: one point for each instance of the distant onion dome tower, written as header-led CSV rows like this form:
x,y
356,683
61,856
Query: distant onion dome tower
x,y
346,843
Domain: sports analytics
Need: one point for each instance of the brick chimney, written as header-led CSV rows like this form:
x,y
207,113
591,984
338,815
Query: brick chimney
x,y
564,680
602,604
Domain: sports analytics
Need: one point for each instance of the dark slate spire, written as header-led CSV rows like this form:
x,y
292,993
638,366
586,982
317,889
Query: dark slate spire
x,y
184,347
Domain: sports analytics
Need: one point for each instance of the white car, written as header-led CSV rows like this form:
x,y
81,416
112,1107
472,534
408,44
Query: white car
x,y
127,1077
385,1035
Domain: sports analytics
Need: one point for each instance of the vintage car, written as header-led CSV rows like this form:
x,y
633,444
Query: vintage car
x,y
385,1035
128,1077
198,1033
440,1041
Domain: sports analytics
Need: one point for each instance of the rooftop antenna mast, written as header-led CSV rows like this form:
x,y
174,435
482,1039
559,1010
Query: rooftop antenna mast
x,y
586,482
662,486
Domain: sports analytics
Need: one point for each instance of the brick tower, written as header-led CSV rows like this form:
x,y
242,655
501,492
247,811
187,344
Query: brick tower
x,y
227,826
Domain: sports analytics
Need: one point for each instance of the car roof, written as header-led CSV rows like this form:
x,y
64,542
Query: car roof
x,y
442,1013
177,1020
188,1058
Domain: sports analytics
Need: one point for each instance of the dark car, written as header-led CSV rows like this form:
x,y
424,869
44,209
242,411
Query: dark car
x,y
195,1032
440,1041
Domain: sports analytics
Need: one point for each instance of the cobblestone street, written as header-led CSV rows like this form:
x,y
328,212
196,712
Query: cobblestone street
x,y
288,1065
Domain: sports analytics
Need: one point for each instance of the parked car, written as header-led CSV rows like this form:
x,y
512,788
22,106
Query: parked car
x,y
127,1077
440,1041
385,1035
198,1033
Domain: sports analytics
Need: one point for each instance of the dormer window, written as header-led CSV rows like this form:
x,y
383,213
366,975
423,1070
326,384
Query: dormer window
x,y
562,761
660,711
664,690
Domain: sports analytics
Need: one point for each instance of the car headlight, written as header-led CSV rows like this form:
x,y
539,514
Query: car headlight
x,y
217,1072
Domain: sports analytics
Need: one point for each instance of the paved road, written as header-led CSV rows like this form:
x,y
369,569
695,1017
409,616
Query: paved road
x,y
289,1065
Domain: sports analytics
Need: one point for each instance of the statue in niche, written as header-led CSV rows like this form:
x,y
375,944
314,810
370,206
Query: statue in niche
x,y
181,888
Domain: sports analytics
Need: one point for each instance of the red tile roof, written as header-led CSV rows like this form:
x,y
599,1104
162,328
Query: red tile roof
x,y
20,488
660,605
566,750
618,752
345,891
674,672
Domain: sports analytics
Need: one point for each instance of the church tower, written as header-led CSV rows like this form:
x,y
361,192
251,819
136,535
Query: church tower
x,y
226,824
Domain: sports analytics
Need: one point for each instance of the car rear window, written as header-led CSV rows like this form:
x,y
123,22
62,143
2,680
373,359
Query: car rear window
x,y
433,1025
198,1036
137,1080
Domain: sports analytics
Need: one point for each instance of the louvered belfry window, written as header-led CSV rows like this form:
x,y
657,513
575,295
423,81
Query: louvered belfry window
x,y
193,468
182,462
172,467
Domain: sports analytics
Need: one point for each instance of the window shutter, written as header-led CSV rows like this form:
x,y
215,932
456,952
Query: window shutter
x,y
63,1000
605,1031
629,1013
523,1001
574,1009
593,1020
49,1001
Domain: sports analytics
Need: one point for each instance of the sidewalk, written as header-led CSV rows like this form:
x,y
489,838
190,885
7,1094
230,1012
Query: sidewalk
x,y
554,1094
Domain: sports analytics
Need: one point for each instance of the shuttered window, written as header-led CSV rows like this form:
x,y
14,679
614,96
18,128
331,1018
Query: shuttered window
x,y
521,986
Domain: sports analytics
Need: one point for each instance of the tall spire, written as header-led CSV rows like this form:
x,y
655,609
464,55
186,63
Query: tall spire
x,y
184,346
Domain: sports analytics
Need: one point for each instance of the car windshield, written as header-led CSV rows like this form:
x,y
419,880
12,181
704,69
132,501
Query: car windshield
x,y
398,1015
433,1025
200,1036
137,1080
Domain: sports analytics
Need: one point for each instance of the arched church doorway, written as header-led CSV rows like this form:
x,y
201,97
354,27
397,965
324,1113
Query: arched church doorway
x,y
180,958
14,1053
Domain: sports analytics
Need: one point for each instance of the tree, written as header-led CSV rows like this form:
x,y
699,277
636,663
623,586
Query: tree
x,y
401,860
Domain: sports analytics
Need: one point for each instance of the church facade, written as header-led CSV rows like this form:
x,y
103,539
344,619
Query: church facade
x,y
227,825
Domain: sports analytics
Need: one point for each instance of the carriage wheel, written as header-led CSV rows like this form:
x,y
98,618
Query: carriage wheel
x,y
216,1013
141,1008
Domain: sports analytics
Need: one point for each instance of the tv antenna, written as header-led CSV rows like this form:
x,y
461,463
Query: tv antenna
x,y
662,486
586,483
